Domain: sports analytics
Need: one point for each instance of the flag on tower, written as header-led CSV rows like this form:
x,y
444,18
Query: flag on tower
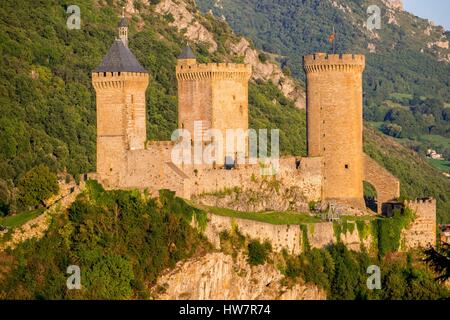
x,y
332,39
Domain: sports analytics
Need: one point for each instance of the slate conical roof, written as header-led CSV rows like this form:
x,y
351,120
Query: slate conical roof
x,y
186,53
120,58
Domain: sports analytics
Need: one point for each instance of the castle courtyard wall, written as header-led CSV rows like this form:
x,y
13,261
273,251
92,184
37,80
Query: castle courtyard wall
x,y
285,237
308,178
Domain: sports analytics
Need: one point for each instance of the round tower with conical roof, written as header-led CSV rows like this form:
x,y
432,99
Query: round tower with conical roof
x,y
120,83
335,123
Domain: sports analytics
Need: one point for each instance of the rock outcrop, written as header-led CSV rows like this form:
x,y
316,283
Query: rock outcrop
x,y
217,276
394,4
270,71
184,20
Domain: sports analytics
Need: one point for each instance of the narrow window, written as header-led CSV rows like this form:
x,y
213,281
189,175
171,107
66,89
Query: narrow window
x,y
346,166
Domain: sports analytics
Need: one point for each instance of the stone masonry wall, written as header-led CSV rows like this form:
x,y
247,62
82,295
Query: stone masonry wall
x,y
153,169
386,185
308,178
287,237
422,233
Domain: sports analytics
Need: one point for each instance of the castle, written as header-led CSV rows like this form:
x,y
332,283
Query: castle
x,y
216,97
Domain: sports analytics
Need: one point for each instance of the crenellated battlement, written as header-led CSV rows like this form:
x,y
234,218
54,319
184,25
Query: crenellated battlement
x,y
111,75
117,80
420,201
423,207
213,71
422,232
322,62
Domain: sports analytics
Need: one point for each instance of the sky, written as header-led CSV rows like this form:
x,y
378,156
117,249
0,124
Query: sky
x,y
436,10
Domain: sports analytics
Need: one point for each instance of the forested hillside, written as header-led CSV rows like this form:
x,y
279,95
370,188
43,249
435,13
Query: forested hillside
x,y
47,107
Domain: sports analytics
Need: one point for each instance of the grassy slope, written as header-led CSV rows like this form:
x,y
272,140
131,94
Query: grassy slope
x,y
19,219
272,217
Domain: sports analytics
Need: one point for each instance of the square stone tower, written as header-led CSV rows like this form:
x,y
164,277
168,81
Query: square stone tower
x,y
120,83
215,94
335,123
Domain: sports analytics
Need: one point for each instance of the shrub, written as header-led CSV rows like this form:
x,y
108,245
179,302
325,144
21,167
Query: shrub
x,y
36,186
258,252
393,130
305,241
110,278
5,198
389,230
263,57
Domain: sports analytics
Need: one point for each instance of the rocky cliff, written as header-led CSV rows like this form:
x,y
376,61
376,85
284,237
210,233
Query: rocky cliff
x,y
217,276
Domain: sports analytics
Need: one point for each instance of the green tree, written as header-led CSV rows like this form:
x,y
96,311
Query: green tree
x,y
110,278
258,252
5,198
36,186
439,260
263,57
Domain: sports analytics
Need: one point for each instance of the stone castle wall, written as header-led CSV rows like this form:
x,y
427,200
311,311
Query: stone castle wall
x,y
422,233
308,177
152,169
386,185
288,237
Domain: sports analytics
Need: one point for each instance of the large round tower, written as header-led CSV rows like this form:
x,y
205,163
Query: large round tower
x,y
335,124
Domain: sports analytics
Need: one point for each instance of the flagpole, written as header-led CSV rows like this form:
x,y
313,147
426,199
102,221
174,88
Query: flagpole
x,y
334,41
